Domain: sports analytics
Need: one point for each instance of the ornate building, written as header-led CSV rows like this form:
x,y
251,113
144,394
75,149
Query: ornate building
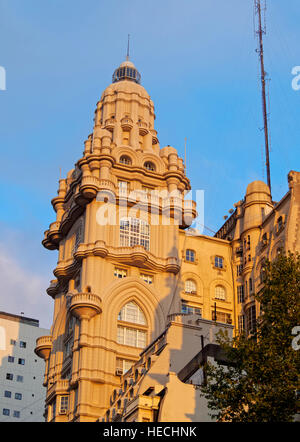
x,y
135,286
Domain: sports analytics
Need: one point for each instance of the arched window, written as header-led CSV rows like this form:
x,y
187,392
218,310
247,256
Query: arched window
x,y
149,166
220,293
125,160
131,312
132,336
190,286
134,231
262,273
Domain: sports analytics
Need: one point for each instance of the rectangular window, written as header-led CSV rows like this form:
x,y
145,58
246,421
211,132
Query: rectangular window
x,y
123,365
241,323
17,413
64,403
123,187
218,262
13,342
9,376
147,278
251,319
18,396
189,309
11,358
221,317
7,394
134,231
19,378
120,273
190,255
21,361
250,285
6,412
239,269
22,344
240,294
131,337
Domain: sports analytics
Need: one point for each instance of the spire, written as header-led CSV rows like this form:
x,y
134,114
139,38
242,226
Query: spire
x,y
127,70
127,56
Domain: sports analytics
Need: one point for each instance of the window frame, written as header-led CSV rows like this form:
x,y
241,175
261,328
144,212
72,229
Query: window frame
x,y
219,286
134,231
129,163
217,261
190,255
193,286
150,166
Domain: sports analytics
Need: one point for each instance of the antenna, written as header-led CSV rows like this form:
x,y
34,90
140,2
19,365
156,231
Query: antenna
x,y
127,56
260,50
185,156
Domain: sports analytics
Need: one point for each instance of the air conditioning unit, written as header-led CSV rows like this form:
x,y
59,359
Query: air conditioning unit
x,y
119,372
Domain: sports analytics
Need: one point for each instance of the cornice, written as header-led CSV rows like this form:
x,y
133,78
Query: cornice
x,y
136,256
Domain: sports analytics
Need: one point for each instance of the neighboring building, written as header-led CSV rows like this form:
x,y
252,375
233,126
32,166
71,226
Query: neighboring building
x,y
22,395
164,385
257,230
128,261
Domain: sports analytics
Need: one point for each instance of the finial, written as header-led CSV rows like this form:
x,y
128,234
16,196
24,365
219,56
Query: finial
x,y
127,56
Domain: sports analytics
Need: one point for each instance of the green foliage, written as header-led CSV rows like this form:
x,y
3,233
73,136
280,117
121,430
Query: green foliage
x,y
262,378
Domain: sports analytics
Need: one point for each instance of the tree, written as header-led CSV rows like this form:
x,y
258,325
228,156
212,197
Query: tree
x,y
261,382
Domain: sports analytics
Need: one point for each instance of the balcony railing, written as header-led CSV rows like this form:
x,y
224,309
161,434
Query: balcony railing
x,y
126,123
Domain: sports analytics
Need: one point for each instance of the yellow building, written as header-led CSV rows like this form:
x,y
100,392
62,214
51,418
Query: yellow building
x,y
134,283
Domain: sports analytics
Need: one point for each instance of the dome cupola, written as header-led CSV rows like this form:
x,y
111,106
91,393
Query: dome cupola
x,y
126,71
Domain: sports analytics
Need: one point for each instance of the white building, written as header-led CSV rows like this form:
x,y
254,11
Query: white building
x,y
22,395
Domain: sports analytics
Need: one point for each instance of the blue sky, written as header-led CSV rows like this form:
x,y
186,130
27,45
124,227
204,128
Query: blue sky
x,y
198,62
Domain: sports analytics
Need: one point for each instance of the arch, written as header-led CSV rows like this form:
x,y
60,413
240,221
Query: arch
x,y
190,286
125,159
149,165
221,282
131,312
193,276
125,151
220,292
132,289
152,158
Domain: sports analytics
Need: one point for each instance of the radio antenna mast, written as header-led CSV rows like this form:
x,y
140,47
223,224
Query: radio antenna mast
x,y
127,56
185,155
260,50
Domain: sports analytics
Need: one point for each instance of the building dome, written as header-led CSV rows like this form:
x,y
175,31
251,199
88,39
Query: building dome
x,y
126,71
258,187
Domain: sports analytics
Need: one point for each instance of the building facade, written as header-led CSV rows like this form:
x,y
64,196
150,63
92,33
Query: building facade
x,y
22,395
130,269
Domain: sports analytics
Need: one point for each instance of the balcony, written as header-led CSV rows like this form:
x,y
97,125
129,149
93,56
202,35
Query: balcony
x,y
43,346
154,136
126,123
89,186
85,305
143,128
110,124
54,234
107,185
